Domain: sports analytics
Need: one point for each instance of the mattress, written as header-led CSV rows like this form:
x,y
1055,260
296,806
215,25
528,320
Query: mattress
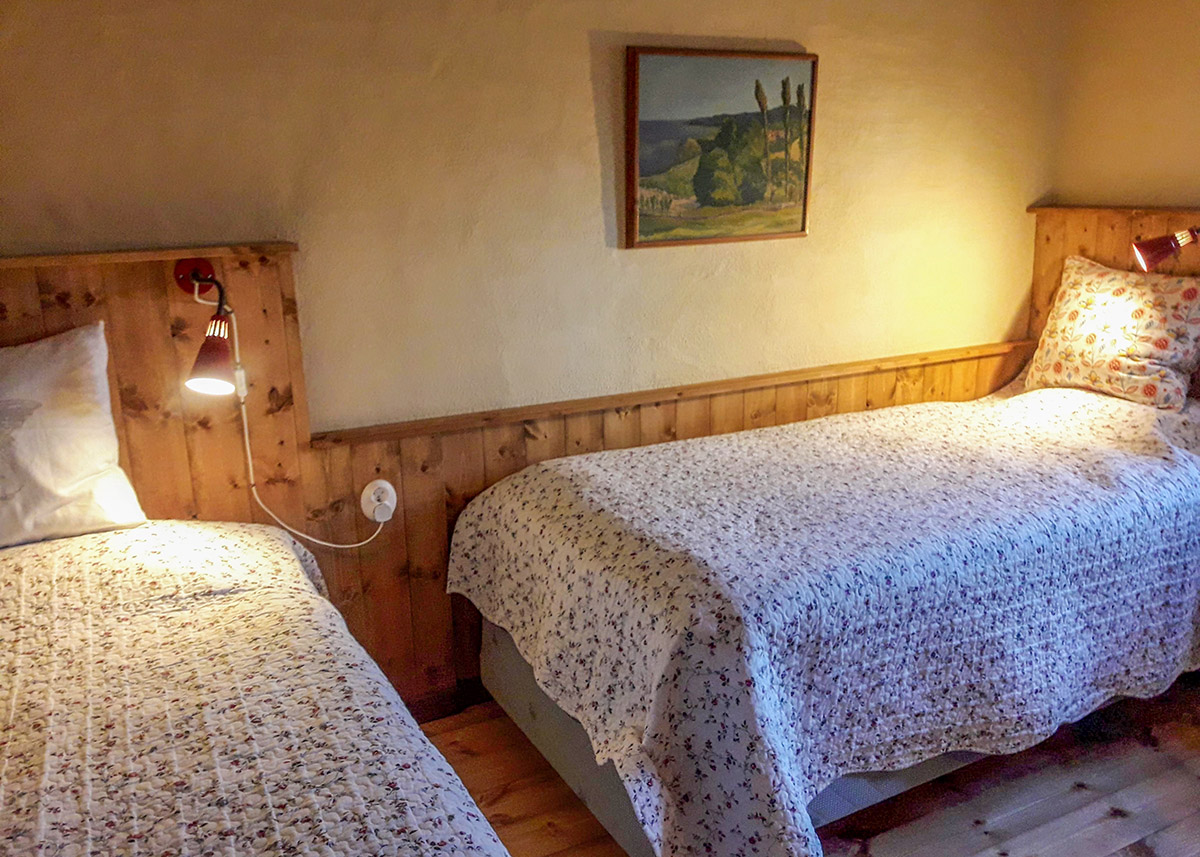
x,y
184,688
738,621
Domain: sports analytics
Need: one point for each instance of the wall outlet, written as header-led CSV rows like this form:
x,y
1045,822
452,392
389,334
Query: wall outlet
x,y
378,500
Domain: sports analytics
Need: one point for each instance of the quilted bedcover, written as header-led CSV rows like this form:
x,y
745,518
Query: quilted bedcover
x,y
739,620
183,689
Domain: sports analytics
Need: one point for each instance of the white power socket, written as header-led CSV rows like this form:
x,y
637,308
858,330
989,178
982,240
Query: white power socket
x,y
378,500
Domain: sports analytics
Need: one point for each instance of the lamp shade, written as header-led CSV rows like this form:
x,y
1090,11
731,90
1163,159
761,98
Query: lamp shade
x,y
212,373
1152,252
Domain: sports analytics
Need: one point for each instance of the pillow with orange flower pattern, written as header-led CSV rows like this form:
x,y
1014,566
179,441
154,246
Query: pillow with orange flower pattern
x,y
1136,336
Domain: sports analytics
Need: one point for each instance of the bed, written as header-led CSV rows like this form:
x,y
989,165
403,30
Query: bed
x,y
186,688
739,621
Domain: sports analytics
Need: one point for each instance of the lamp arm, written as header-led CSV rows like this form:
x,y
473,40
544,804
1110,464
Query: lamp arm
x,y
198,280
239,374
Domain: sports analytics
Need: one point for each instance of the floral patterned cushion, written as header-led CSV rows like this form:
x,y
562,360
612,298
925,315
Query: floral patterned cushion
x,y
1136,336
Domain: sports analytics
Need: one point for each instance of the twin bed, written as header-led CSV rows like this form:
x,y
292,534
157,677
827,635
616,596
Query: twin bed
x,y
739,621
186,688
176,687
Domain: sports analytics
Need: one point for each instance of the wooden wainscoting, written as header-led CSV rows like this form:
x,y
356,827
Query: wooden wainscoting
x,y
183,451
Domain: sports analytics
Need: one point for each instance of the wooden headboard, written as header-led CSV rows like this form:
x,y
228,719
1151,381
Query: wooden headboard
x,y
1104,235
182,450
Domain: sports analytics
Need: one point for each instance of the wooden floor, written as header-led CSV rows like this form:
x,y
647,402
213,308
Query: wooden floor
x,y
1125,782
534,812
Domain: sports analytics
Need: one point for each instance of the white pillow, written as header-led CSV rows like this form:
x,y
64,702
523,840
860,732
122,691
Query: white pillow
x,y
59,474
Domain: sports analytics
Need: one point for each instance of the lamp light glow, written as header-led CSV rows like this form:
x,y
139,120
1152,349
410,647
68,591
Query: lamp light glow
x,y
1152,252
212,373
210,386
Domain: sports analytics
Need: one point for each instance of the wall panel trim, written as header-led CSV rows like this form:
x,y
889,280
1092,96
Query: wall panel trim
x,y
117,257
1130,210
571,407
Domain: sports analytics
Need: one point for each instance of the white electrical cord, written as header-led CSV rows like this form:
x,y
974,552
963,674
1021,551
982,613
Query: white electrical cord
x,y
239,375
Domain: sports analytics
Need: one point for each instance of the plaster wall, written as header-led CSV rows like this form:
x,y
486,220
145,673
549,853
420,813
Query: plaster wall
x,y
452,171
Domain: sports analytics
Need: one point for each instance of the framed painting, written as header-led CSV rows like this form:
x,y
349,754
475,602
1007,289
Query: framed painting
x,y
718,145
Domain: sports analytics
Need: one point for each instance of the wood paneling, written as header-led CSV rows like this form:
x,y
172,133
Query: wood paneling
x,y
585,433
425,512
693,418
791,403
150,397
659,422
271,403
465,475
20,307
184,452
728,412
622,428
545,439
822,398
760,407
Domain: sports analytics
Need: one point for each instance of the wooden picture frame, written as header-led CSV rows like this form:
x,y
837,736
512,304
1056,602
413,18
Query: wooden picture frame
x,y
702,160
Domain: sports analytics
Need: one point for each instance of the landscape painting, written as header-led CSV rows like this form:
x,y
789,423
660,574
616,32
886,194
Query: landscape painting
x,y
718,145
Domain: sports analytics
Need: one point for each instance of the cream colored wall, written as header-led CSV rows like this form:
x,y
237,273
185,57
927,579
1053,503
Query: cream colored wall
x,y
451,172
1130,132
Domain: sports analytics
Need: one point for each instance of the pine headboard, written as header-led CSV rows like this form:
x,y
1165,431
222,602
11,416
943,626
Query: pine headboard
x,y
1104,235
182,451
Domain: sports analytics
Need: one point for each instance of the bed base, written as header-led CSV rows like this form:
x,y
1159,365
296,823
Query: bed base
x,y
564,744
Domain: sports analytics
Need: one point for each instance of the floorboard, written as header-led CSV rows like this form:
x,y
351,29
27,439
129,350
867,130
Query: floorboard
x,y
1124,782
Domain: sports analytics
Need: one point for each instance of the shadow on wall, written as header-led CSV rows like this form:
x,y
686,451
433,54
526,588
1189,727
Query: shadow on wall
x,y
1018,328
607,54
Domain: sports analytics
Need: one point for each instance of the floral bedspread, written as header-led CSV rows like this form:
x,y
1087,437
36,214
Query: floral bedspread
x,y
182,689
739,620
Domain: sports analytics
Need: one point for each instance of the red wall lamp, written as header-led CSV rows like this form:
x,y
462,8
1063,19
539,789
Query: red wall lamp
x,y
218,367
218,372
1152,252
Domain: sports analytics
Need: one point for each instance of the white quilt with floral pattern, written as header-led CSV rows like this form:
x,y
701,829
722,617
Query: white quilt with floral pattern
x,y
183,689
739,620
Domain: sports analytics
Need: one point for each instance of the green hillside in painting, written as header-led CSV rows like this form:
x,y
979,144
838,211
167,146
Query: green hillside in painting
x,y
727,175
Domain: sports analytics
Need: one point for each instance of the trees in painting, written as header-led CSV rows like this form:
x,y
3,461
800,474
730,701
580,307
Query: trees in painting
x,y
760,95
730,170
733,167
802,105
787,137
